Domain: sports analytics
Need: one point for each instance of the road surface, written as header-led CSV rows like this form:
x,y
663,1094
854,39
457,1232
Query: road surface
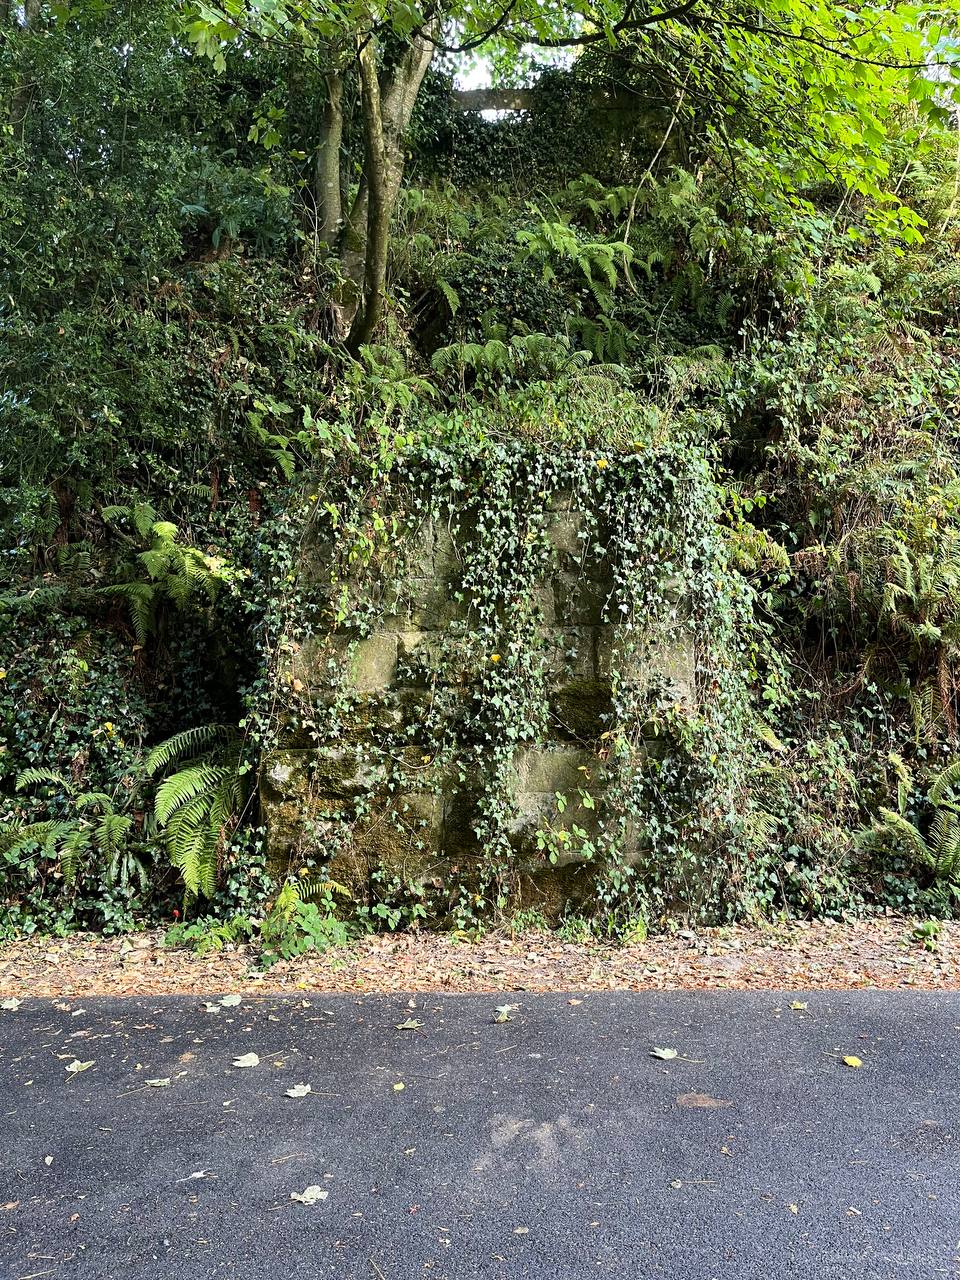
x,y
548,1145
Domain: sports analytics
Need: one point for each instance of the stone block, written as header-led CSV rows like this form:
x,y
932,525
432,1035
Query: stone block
x,y
581,708
566,532
540,775
569,652
430,657
554,769
581,600
628,653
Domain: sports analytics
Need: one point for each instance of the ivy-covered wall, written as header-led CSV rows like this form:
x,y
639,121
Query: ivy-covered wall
x,y
485,679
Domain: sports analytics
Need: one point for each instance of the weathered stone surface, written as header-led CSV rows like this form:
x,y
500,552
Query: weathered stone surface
x,y
580,601
428,657
672,660
569,652
566,532
582,708
376,802
371,663
542,777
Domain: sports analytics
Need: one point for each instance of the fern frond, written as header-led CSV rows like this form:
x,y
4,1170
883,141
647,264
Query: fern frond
x,y
34,777
184,786
144,518
899,832
72,848
189,742
944,782
15,838
111,830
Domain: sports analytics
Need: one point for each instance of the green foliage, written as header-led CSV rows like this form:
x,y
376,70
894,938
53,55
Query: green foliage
x,y
199,803
303,919
711,319
936,847
208,935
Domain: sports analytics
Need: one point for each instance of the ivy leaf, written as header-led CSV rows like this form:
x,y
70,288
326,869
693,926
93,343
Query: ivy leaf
x,y
665,1054
247,1060
799,1004
298,1091
310,1195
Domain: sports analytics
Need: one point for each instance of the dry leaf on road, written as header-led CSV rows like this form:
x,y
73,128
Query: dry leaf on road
x,y
310,1195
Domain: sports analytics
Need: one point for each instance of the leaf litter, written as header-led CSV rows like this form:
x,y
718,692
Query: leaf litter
x,y
798,956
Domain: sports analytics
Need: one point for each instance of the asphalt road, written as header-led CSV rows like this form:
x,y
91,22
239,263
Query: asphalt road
x,y
550,1146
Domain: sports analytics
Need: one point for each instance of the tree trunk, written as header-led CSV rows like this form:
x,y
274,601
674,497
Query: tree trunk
x,y
20,99
327,186
386,110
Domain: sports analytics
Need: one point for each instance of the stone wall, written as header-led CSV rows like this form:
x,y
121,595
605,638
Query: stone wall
x,y
361,779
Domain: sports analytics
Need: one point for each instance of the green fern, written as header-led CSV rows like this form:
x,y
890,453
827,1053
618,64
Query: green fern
x,y
38,776
198,804
94,829
893,832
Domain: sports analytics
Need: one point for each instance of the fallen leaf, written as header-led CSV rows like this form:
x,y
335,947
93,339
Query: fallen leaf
x,y
12,1004
310,1195
665,1054
211,1007
247,1060
158,1084
701,1100
398,1086
521,1231
411,1024
793,1208
505,1012
574,1002
851,1060
298,1091
48,1161
798,1004
76,1066
230,1002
